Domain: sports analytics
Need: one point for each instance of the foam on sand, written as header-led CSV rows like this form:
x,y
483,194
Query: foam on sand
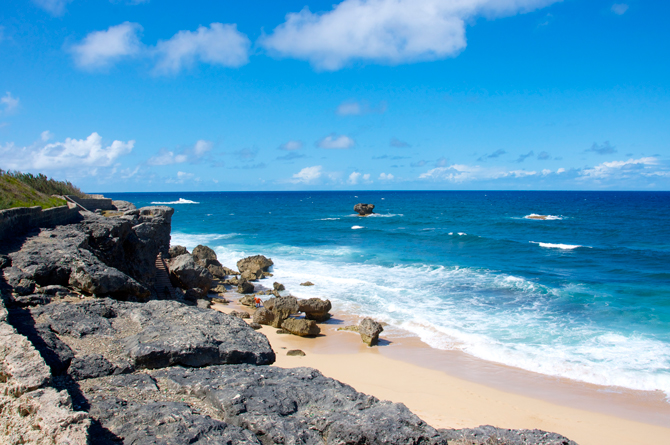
x,y
179,201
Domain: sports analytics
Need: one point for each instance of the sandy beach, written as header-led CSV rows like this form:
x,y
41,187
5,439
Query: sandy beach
x,y
448,389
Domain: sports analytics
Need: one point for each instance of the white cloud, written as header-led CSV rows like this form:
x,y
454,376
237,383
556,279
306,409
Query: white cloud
x,y
46,135
560,170
355,108
384,31
100,49
336,142
220,44
354,177
184,175
546,171
291,145
520,173
621,168
619,8
386,177
70,154
458,173
201,147
166,157
10,103
53,7
307,175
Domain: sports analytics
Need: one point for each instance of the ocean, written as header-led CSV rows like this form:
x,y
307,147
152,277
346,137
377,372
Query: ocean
x,y
583,294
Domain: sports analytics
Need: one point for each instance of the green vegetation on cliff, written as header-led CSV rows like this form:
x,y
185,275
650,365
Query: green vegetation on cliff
x,y
26,190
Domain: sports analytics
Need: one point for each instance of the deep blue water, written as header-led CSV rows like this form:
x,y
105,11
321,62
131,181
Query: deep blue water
x,y
584,295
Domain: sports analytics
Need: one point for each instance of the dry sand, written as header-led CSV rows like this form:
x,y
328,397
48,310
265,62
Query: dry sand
x,y
431,383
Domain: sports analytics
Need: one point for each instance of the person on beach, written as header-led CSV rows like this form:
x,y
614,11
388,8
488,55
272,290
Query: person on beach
x,y
258,301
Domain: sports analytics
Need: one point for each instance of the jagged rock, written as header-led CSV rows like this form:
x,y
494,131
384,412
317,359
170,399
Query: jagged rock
x,y
94,278
278,286
29,300
5,261
296,353
124,206
315,309
352,328
301,404
487,434
301,327
219,300
205,256
254,263
263,316
55,289
229,271
95,365
248,300
21,366
282,308
255,326
282,331
188,274
216,271
251,275
203,303
155,334
244,287
195,294
307,283
364,209
232,281
177,250
370,330
240,314
25,287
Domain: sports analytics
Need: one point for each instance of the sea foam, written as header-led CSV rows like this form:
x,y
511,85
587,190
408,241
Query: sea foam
x,y
543,217
557,246
179,201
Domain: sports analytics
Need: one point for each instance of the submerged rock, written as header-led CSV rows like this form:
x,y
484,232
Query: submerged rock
x,y
307,283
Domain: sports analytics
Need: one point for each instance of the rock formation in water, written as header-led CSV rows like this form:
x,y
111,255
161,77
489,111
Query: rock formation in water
x,y
364,209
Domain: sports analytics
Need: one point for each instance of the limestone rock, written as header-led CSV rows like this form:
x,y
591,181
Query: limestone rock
x,y
278,286
296,353
307,283
188,274
487,434
247,300
364,209
205,256
251,275
254,263
241,314
177,250
124,206
263,316
282,308
315,309
301,327
370,330
244,287
216,271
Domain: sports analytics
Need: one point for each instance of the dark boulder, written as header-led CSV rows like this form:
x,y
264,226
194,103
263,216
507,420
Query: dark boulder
x,y
278,286
254,263
487,434
364,209
244,286
177,250
203,254
188,274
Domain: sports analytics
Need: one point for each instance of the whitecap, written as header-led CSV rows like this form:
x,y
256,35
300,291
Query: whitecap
x,y
558,246
357,227
462,233
538,217
179,201
329,219
384,215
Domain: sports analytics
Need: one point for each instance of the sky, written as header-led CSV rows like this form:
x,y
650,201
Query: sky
x,y
159,95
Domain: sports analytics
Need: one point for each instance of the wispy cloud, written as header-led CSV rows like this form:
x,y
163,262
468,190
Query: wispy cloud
x,y
393,158
459,173
9,103
88,153
336,142
307,175
397,143
522,158
386,177
191,154
246,154
643,166
291,156
602,149
495,154
363,107
53,7
384,31
291,145
619,8
543,156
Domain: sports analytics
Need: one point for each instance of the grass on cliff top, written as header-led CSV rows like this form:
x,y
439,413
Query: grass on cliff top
x,y
27,190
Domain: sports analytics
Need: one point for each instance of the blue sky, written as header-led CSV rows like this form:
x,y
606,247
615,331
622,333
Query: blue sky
x,y
157,95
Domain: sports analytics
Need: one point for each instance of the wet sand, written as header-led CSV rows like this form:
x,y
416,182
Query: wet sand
x,y
449,389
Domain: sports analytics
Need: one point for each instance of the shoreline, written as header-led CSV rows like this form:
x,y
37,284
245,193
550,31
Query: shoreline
x,y
449,389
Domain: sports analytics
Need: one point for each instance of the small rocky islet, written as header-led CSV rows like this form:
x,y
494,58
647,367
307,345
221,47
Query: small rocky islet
x,y
107,338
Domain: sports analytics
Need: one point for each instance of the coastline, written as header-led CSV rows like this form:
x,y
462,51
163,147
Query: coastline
x,y
449,389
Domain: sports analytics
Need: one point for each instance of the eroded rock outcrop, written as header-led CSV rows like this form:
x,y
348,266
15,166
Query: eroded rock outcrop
x,y
370,330
364,209
315,309
254,264
187,274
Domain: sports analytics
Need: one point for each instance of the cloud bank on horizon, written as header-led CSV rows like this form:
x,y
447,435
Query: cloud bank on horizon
x,y
359,94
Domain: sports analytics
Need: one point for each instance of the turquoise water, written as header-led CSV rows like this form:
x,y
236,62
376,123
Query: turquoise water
x,y
584,294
